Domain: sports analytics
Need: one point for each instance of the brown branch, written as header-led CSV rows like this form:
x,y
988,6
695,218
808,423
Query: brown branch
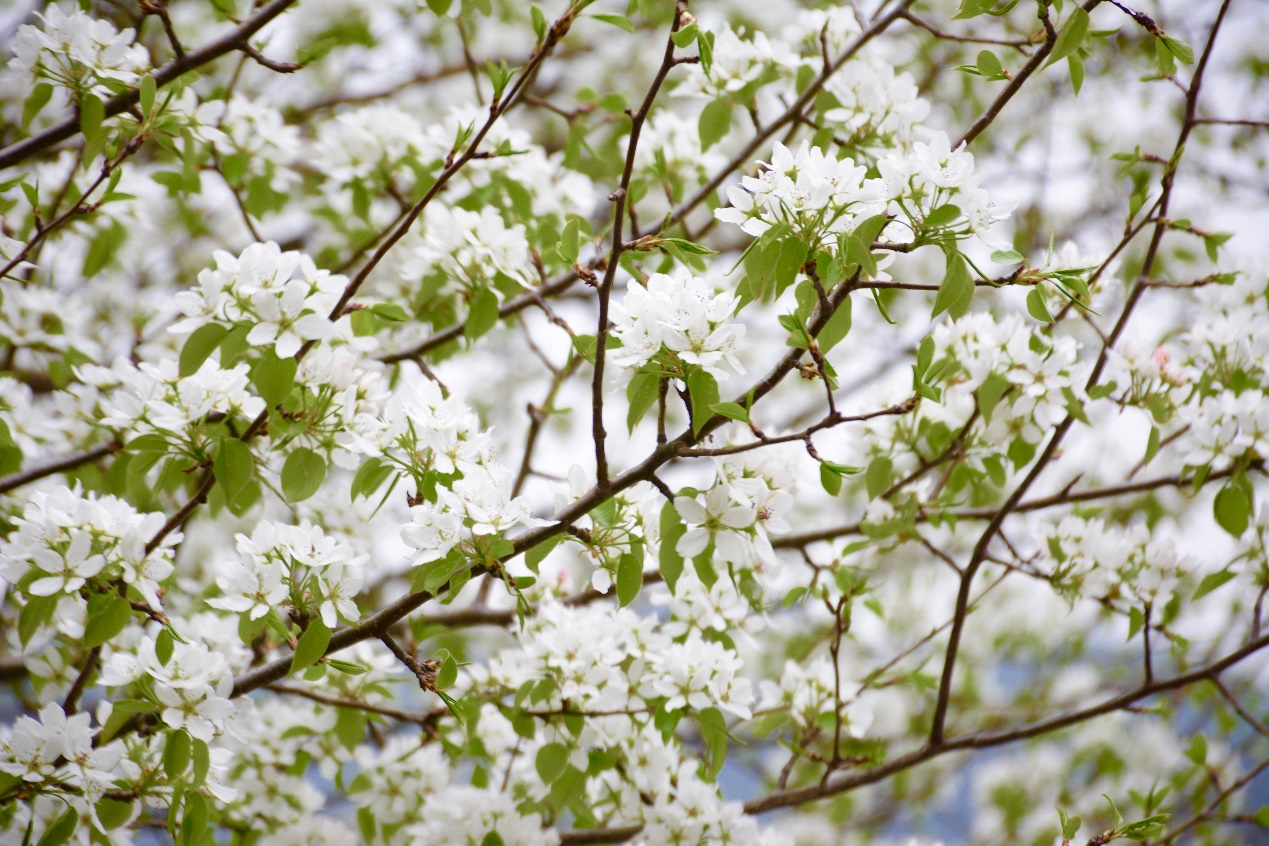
x,y
1019,44
510,307
423,719
988,740
1015,85
81,680
60,465
619,199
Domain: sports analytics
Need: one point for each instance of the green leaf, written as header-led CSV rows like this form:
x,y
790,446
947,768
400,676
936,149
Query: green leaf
x,y
201,755
714,123
859,252
37,100
641,394
1070,825
619,21
792,256
37,611
877,476
92,112
482,313
973,8
1232,509
391,312
107,622
146,95
1212,581
439,7
199,346
672,529
732,411
194,823
1076,66
448,672
163,646
704,390
1036,307
1007,257
176,754
629,577
274,377
1180,49
302,474
570,246
1072,36
831,481
61,830
350,727
370,475
837,327
1197,750
957,290
534,557
551,761
235,466
989,65
1152,446
943,215
990,392
311,647
714,733
113,813
1119,818
1146,829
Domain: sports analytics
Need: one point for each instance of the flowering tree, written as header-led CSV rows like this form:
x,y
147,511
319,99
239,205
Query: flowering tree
x,y
880,391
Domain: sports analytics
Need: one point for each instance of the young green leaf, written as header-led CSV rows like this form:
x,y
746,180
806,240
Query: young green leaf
x,y
302,474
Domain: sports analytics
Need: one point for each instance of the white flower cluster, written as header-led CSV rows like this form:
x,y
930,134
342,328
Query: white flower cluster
x,y
257,287
740,65
369,144
821,197
191,688
297,565
1232,336
1036,367
808,693
877,108
600,660
1222,428
396,780
77,52
59,748
619,664
40,323
1227,361
439,434
65,540
459,814
1151,375
682,318
747,504
256,135
271,797
148,399
691,812
468,249
817,195
1088,558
